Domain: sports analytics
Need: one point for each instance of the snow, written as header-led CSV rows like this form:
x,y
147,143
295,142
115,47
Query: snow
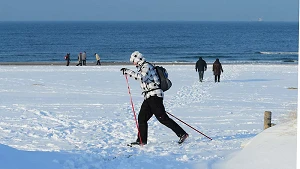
x,y
81,118
274,147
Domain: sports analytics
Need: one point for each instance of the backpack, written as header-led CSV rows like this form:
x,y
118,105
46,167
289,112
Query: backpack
x,y
165,82
66,57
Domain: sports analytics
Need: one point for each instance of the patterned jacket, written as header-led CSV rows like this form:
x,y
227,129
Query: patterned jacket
x,y
147,76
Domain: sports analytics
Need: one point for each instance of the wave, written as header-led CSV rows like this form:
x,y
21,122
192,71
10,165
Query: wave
x,y
231,54
278,53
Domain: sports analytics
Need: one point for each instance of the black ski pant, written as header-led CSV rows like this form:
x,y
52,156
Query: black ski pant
x,y
154,105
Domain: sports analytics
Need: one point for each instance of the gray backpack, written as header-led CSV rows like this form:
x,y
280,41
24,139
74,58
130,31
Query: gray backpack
x,y
165,82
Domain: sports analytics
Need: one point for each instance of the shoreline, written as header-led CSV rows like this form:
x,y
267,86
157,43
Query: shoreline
x,y
128,63
87,64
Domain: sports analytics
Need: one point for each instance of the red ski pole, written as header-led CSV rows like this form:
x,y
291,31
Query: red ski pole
x,y
132,106
189,126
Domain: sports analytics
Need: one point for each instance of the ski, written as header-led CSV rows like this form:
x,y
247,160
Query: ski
x,y
135,144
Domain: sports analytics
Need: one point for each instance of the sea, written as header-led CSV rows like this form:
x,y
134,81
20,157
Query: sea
x,y
159,41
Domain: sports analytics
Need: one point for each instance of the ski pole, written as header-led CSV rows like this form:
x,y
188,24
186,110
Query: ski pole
x,y
132,106
189,126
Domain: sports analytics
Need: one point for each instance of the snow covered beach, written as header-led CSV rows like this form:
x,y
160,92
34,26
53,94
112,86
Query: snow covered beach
x,y
81,117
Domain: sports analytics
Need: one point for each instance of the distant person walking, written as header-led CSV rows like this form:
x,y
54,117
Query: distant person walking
x,y
98,59
79,59
200,67
67,58
84,58
217,69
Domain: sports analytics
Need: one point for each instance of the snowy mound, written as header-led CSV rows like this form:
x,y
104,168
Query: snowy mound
x,y
273,148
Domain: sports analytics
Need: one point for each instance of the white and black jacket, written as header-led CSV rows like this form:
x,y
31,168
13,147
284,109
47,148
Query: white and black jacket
x,y
149,79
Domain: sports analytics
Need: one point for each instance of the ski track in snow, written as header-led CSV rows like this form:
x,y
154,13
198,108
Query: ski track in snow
x,y
97,136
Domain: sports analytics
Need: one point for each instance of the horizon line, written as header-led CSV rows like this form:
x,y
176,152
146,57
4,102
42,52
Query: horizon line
x,y
139,21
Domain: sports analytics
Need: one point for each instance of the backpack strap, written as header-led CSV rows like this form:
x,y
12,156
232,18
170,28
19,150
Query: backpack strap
x,y
145,92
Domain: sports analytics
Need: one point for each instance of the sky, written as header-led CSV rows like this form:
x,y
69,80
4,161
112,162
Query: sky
x,y
81,118
155,10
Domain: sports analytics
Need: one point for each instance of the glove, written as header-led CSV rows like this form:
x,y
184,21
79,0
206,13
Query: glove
x,y
123,70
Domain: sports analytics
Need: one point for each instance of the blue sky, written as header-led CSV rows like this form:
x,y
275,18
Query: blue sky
x,y
151,10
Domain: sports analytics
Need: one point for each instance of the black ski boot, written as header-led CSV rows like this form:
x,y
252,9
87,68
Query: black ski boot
x,y
182,138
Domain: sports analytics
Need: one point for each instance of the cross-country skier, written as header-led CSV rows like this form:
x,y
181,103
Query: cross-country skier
x,y
153,99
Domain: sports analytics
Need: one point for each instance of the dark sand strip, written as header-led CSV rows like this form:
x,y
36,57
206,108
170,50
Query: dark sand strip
x,y
128,63
87,64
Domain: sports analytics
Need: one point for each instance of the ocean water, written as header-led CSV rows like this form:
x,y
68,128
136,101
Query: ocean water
x,y
231,42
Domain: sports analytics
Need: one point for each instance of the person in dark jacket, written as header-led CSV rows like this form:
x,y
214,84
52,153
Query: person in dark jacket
x,y
200,67
153,99
67,58
217,69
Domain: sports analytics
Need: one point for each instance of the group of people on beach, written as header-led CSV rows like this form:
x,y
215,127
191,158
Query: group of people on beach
x,y
201,66
82,59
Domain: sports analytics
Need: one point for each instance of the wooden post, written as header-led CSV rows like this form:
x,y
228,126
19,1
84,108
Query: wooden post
x,y
267,119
